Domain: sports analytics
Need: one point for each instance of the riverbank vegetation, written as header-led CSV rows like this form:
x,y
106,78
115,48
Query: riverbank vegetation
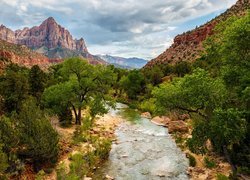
x,y
30,98
213,90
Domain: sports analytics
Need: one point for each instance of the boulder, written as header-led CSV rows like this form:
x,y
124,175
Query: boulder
x,y
146,115
161,120
177,126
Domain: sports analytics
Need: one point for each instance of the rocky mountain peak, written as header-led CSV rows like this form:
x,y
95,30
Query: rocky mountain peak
x,y
49,35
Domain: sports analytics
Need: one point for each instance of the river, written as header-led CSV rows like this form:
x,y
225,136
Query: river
x,y
143,151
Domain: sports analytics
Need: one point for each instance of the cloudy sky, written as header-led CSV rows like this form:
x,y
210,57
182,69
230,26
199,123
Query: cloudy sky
x,y
128,28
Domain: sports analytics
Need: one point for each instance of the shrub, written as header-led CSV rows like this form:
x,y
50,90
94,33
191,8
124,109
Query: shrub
x,y
192,161
148,106
3,163
78,166
39,139
221,177
209,163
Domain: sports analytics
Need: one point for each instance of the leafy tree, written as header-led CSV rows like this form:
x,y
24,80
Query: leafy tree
x,y
199,94
84,85
195,93
133,84
14,87
38,138
182,68
153,75
37,81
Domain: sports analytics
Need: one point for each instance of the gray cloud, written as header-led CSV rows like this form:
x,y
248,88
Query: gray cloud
x,y
117,27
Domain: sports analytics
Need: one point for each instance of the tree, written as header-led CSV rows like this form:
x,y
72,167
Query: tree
x,y
14,87
195,93
38,139
133,84
83,86
199,94
182,68
153,75
37,80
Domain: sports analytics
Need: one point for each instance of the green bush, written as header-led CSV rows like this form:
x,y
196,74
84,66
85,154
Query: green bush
x,y
192,161
78,166
3,163
40,175
221,177
37,136
209,163
148,106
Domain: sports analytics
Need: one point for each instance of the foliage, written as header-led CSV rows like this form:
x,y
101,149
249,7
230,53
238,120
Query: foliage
x,y
83,85
78,166
133,84
209,163
153,75
37,80
4,162
14,87
221,177
148,106
38,138
40,175
195,93
192,160
182,68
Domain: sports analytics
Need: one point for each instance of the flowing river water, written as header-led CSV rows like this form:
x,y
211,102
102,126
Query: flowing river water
x,y
143,151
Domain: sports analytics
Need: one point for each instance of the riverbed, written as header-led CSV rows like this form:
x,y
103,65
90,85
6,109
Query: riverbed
x,y
143,151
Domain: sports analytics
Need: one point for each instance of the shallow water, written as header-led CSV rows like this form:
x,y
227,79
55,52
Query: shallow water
x,y
143,151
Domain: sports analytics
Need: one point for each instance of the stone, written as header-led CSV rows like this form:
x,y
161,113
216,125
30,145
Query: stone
x,y
161,121
177,126
109,177
146,115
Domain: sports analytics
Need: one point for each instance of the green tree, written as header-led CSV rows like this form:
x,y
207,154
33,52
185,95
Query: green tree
x,y
84,85
196,93
37,81
199,94
14,87
153,75
38,139
133,84
182,68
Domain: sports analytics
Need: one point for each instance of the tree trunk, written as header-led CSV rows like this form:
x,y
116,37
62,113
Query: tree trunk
x,y
229,158
79,116
76,116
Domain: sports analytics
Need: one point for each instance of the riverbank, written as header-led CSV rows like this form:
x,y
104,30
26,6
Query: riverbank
x,y
209,166
102,129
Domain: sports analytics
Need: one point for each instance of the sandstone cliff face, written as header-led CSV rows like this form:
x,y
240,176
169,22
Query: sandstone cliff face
x,y
50,39
49,34
188,46
21,55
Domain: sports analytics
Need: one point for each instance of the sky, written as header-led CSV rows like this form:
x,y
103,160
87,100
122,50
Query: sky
x,y
126,28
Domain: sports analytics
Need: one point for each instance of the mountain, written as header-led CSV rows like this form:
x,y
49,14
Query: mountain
x,y
50,39
188,46
21,55
127,63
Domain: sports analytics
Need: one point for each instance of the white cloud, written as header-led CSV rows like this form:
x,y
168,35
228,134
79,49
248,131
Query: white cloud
x,y
118,27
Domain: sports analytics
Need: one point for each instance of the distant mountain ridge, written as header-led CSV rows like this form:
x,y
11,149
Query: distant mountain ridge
x,y
127,63
21,55
188,46
50,39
